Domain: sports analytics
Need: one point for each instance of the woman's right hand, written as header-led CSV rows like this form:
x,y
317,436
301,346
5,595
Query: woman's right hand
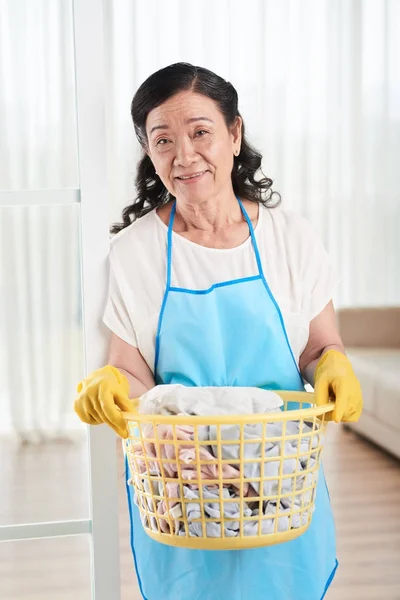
x,y
101,398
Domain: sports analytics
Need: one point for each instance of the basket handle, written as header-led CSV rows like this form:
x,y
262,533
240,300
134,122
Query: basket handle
x,y
129,414
324,410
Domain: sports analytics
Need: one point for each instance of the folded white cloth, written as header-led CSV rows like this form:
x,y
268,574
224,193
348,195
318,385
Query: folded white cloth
x,y
178,399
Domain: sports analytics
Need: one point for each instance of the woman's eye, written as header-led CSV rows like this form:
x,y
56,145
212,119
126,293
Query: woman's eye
x,y
201,132
161,142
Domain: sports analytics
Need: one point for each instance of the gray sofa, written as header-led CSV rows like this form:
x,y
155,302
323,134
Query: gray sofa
x,y
372,340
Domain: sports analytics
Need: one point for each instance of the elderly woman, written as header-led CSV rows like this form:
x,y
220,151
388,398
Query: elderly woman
x,y
213,284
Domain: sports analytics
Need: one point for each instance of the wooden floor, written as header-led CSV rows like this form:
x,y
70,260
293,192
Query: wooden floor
x,y
44,483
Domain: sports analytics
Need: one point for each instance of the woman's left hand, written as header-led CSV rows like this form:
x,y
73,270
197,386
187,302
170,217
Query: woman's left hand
x,y
335,380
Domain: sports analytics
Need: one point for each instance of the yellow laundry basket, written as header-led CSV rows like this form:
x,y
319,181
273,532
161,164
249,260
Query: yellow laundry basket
x,y
190,496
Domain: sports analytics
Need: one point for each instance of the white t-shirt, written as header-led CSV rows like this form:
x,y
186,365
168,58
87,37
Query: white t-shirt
x,y
295,264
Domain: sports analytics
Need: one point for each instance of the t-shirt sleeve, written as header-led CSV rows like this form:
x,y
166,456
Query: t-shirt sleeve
x,y
117,315
318,275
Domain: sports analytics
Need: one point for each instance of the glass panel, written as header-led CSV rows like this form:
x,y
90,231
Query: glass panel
x,y
38,142
43,444
47,569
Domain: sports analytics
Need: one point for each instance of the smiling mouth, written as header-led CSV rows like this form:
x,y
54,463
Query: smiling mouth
x,y
190,177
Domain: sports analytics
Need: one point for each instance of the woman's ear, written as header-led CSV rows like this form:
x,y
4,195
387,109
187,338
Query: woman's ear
x,y
237,135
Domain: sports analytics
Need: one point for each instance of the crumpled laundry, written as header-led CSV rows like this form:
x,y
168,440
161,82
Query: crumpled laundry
x,y
296,460
222,502
178,399
186,455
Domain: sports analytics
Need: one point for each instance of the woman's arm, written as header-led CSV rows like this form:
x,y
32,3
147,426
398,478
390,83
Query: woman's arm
x,y
130,362
324,336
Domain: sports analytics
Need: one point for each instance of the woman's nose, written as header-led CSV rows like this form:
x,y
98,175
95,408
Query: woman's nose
x,y
185,154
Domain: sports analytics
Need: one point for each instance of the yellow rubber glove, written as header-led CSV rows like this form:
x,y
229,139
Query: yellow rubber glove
x,y
335,380
101,398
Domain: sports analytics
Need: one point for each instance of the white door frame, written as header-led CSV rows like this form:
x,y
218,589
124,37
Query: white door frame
x,y
90,102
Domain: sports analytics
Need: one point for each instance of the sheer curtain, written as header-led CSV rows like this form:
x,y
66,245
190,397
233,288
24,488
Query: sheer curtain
x,y
319,90
40,322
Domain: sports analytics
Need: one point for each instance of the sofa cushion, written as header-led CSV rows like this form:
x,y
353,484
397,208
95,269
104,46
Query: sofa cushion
x,y
373,327
379,372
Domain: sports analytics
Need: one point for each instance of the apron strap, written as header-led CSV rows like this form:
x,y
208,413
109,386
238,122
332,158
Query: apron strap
x,y
169,245
253,236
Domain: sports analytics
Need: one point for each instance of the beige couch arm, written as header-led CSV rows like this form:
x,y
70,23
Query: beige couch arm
x,y
370,327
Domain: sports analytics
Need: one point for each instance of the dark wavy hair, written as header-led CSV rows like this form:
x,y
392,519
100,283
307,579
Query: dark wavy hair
x,y
248,180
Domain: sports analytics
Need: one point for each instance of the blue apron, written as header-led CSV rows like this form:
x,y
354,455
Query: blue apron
x,y
231,334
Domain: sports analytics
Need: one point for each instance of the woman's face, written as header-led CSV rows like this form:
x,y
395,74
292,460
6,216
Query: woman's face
x,y
191,147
